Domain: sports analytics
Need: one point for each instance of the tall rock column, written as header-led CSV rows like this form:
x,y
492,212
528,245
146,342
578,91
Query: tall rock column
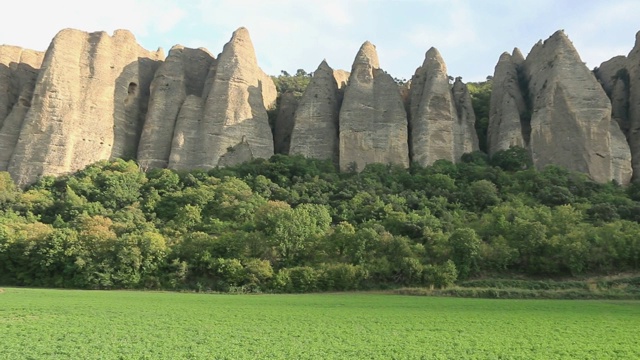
x,y
88,104
464,131
18,72
571,123
507,107
634,105
437,132
234,127
183,73
315,124
373,121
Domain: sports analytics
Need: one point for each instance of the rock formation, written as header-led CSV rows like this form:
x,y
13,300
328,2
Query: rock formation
x,y
234,126
93,97
614,78
88,105
508,108
634,105
464,135
18,72
571,123
437,132
315,131
373,121
182,74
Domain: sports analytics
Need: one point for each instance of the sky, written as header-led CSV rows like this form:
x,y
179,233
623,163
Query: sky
x,y
298,34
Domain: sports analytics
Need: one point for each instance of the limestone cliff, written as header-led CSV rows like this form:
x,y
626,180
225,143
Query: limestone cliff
x,y
464,135
89,104
634,105
315,130
507,108
437,132
18,72
614,78
373,121
571,123
182,74
234,115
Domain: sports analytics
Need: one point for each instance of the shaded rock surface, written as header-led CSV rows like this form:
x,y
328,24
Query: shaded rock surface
x,y
373,121
571,123
465,136
437,132
183,73
614,78
634,105
18,73
234,114
89,104
507,108
315,131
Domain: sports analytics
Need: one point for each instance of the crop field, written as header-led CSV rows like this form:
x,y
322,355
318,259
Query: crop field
x,y
69,324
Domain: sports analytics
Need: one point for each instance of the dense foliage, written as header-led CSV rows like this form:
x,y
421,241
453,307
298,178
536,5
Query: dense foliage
x,y
291,224
480,93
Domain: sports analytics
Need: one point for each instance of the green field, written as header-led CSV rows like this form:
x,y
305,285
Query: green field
x,y
71,324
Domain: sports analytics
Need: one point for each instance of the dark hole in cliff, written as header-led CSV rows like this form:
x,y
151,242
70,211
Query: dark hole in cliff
x,y
132,88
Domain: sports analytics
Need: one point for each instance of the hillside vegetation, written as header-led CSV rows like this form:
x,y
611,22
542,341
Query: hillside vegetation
x,y
291,224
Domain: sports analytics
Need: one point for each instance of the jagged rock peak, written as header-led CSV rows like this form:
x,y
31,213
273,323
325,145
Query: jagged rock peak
x,y
315,125
437,131
342,78
571,123
373,121
505,56
516,56
506,106
238,96
241,34
367,55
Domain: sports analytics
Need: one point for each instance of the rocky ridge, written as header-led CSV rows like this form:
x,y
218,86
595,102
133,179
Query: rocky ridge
x,y
564,116
92,97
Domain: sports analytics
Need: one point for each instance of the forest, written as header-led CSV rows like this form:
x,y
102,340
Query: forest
x,y
290,224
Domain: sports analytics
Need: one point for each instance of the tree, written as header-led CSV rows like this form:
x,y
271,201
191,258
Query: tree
x,y
513,159
465,251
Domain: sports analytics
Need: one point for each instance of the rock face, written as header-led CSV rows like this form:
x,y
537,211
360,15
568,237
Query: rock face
x,y
508,108
373,121
465,136
571,123
634,105
315,131
284,122
614,78
89,104
183,74
234,126
93,97
437,132
18,72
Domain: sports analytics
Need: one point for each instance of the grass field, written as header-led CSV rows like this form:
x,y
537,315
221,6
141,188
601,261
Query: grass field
x,y
69,324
